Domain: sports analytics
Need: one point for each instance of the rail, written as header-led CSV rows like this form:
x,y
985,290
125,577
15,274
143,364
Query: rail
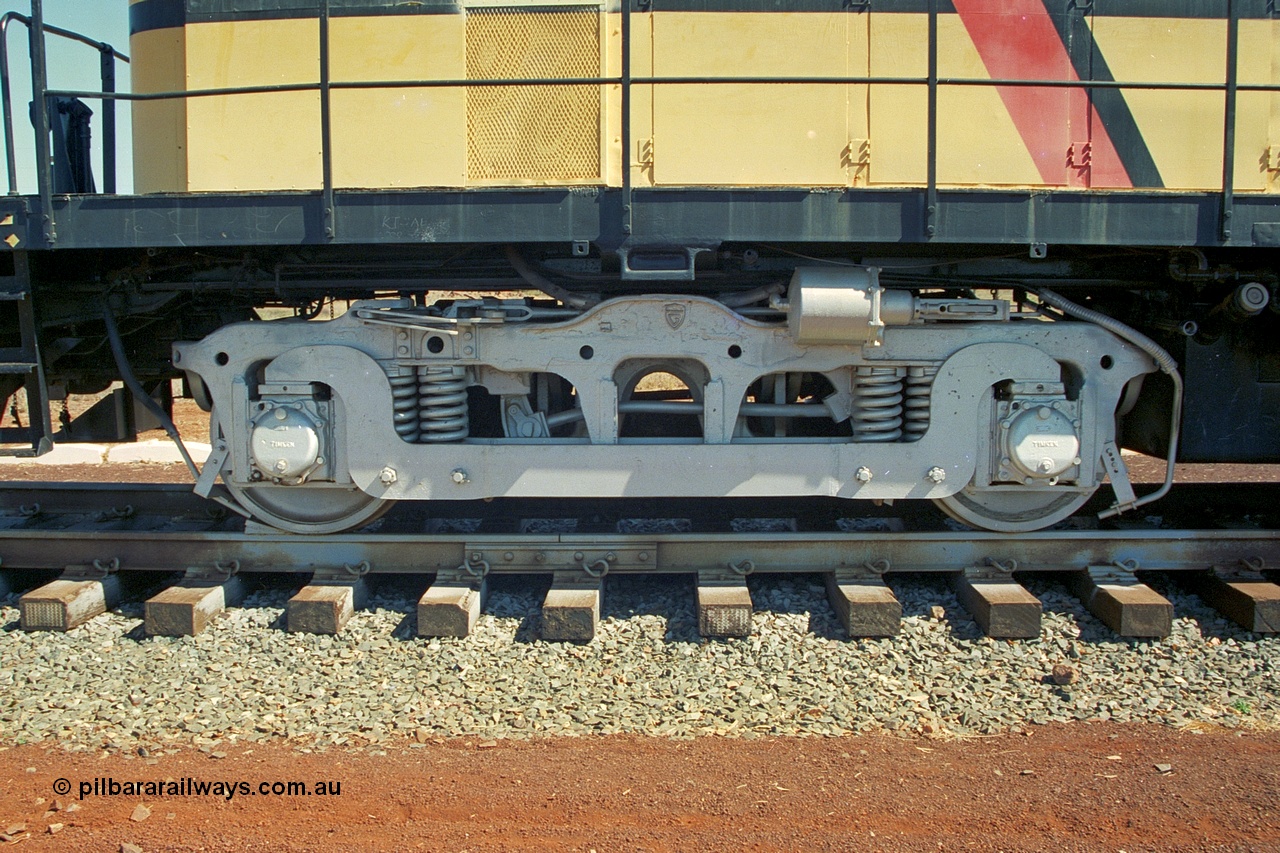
x,y
325,86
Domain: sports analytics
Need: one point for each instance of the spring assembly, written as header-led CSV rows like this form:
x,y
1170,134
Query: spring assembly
x,y
877,397
442,404
404,404
919,384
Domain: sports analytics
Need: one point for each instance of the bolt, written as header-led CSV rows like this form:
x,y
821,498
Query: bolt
x,y
643,556
460,476
281,414
508,556
1045,466
540,557
319,460
477,556
388,476
577,555
937,474
1044,413
468,350
282,465
863,475
403,350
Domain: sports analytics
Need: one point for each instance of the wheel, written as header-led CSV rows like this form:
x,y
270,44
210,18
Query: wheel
x,y
305,509
1011,511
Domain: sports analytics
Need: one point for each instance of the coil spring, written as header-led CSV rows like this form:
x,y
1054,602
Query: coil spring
x,y
442,404
919,384
404,405
877,397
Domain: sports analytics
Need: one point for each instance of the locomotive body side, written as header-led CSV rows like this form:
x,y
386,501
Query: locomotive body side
x,y
712,129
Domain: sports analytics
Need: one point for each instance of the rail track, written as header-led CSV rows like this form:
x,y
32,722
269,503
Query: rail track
x,y
103,540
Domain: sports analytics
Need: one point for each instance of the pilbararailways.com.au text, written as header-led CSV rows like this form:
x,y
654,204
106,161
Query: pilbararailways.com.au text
x,y
227,789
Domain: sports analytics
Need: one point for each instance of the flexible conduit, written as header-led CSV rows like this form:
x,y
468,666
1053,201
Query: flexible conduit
x,y
1163,360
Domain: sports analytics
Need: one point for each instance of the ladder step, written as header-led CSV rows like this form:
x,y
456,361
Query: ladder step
x,y
11,290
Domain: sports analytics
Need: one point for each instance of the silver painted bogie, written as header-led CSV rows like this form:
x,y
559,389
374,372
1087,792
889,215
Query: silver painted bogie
x,y
376,400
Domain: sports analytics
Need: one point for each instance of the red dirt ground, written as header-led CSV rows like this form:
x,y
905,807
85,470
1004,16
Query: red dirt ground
x,y
1070,787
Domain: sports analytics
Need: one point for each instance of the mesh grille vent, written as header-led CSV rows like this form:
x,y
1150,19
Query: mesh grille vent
x,y
533,133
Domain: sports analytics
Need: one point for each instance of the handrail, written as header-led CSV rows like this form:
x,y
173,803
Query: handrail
x,y
109,56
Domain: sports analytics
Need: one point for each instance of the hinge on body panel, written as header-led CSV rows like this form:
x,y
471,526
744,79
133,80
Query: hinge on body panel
x,y
856,157
644,154
1079,155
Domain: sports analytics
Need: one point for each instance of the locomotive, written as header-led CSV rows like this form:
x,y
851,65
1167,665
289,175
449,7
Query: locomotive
x,y
963,251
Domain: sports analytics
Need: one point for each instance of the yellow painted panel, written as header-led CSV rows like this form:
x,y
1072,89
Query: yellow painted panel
x,y
159,127
398,47
978,144
766,135
900,45
1258,113
1163,50
898,119
1183,132
611,132
255,142
744,134
253,53
899,135
724,44
399,138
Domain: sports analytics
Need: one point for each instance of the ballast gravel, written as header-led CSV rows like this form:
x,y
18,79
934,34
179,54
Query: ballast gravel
x,y
647,671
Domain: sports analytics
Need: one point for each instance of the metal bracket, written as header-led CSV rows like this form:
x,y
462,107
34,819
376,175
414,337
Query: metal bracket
x,y
1118,571
475,566
97,570
560,557
683,273
1118,472
992,569
212,468
1247,569
220,573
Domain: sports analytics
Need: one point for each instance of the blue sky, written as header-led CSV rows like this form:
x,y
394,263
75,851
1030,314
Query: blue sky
x,y
71,66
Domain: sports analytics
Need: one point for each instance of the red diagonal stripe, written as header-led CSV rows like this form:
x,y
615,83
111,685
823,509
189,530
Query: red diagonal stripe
x,y
1017,40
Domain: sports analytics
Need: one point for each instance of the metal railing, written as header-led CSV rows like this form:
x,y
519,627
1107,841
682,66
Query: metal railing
x,y
325,85
109,56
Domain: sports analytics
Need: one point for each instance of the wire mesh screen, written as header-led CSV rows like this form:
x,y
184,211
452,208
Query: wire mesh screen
x,y
533,133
